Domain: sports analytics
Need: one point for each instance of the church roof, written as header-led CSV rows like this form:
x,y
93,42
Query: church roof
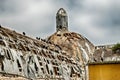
x,y
31,58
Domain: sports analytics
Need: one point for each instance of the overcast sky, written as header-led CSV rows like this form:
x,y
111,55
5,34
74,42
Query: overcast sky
x,y
98,20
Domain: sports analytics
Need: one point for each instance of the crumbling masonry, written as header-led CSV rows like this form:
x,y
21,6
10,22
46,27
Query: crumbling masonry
x,y
62,56
59,57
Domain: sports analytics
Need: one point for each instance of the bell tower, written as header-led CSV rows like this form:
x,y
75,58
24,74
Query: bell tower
x,y
61,20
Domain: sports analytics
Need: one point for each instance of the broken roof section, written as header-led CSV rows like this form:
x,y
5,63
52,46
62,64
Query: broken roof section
x,y
34,59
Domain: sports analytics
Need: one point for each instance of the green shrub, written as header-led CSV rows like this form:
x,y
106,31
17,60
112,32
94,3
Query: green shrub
x,y
116,48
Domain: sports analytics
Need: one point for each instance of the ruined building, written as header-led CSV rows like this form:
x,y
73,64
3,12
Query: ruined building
x,y
64,55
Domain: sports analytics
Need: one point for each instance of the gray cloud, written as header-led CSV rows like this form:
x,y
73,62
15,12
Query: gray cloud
x,y
98,20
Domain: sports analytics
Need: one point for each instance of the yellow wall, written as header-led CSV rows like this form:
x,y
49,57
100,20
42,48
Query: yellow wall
x,y
104,72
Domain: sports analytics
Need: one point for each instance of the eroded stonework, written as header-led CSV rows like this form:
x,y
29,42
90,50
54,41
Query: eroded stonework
x,y
62,56
35,59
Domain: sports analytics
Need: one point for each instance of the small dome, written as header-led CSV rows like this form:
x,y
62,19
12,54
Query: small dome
x,y
77,46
